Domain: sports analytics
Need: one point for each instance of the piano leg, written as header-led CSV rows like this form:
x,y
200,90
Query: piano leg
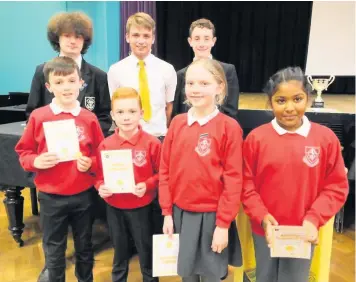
x,y
14,208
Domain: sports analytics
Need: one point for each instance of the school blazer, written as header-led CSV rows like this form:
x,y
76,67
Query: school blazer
x,y
93,96
230,105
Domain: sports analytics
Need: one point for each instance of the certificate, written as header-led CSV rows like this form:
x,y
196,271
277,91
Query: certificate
x,y
62,139
165,255
288,242
118,171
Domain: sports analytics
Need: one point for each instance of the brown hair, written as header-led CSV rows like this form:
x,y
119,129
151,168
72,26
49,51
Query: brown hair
x,y
125,93
76,23
140,19
215,68
202,23
60,66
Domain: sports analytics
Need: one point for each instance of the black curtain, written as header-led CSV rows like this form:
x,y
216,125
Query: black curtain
x,y
259,38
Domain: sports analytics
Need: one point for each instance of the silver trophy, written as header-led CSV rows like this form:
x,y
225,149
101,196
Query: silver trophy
x,y
320,84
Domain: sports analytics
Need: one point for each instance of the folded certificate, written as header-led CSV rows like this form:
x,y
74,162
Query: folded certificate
x,y
165,255
118,170
288,242
62,139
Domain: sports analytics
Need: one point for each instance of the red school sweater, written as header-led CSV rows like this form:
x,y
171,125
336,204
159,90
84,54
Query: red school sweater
x,y
293,177
201,167
64,178
145,156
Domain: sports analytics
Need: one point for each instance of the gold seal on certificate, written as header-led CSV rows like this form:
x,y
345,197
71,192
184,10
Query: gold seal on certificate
x,y
288,242
165,255
62,139
118,170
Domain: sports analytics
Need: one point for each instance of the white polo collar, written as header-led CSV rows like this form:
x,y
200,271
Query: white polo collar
x,y
201,121
303,130
56,109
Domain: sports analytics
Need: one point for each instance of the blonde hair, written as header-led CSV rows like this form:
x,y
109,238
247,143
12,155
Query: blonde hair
x,y
142,20
202,23
125,93
215,68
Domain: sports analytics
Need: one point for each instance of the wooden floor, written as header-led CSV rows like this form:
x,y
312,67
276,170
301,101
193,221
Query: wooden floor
x,y
333,103
24,264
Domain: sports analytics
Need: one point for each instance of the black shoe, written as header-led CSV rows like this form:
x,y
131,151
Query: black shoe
x,y
44,276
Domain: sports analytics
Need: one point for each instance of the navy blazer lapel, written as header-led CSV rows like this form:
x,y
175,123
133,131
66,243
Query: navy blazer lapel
x,y
85,71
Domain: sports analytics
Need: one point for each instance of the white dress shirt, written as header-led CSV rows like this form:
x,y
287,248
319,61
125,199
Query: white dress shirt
x,y
162,82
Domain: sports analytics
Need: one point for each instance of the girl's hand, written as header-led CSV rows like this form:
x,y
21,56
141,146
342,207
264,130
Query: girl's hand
x,y
168,225
312,235
267,223
220,239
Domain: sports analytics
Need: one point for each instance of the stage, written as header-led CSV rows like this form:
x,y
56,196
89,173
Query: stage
x,y
333,103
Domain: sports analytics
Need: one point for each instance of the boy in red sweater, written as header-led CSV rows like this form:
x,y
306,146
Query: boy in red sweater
x,y
64,187
293,175
130,214
201,178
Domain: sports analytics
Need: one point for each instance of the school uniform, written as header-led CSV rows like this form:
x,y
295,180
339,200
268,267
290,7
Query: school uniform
x,y
64,192
231,103
128,215
294,176
200,186
93,96
162,82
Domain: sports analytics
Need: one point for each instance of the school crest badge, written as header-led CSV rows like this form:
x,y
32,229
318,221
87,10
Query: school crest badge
x,y
311,157
139,158
80,132
90,103
203,147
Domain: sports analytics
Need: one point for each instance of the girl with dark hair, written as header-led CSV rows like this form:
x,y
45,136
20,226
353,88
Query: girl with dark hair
x,y
293,175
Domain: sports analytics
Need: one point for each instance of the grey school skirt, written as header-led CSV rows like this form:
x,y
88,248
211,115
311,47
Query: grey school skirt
x,y
196,230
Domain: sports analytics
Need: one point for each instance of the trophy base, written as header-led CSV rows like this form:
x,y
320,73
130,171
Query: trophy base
x,y
318,104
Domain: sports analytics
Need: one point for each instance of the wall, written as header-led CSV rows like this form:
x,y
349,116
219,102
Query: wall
x,y
331,49
24,43
106,18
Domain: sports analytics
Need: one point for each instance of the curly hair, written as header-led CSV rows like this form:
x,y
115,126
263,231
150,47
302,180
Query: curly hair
x,y
73,22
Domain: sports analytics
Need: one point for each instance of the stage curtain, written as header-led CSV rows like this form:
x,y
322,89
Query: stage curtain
x,y
259,38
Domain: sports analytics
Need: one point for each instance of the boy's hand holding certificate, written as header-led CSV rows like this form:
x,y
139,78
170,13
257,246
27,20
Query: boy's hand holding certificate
x,y
118,170
165,255
289,242
62,139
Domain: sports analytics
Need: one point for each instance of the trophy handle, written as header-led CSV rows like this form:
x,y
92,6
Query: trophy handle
x,y
310,80
331,80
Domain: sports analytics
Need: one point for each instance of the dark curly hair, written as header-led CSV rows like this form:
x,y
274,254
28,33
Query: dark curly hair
x,y
285,75
74,22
